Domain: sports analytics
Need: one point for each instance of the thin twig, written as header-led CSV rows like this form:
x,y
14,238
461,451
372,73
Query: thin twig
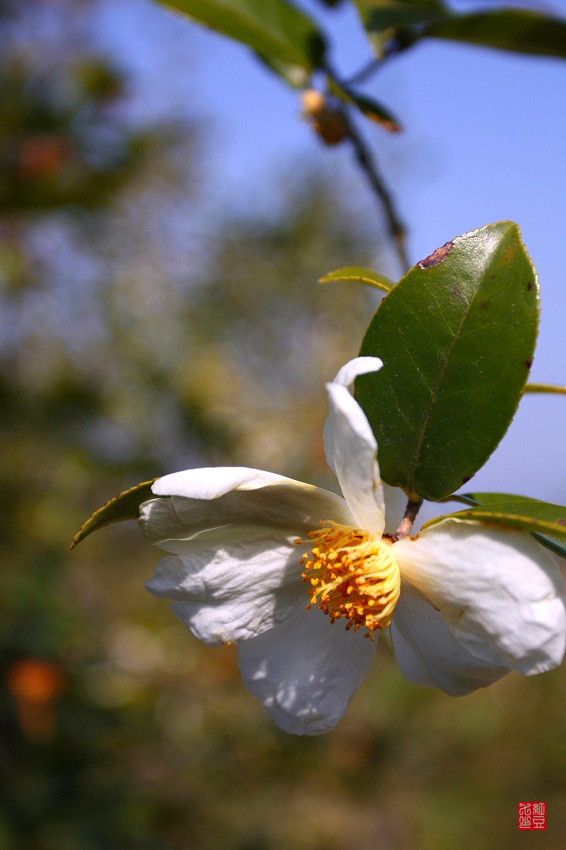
x,y
362,75
406,524
368,165
390,49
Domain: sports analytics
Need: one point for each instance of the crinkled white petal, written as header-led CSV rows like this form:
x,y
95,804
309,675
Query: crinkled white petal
x,y
215,481
183,524
305,671
429,654
351,448
233,592
500,592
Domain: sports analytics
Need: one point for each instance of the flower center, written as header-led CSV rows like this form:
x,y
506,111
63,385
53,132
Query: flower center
x,y
352,574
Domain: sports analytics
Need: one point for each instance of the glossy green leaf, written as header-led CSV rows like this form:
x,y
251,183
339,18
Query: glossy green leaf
x,y
545,520
284,36
368,106
519,30
456,336
122,507
359,275
553,389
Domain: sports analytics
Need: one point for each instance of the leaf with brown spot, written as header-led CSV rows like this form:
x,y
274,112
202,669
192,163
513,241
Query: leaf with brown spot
x,y
453,370
437,256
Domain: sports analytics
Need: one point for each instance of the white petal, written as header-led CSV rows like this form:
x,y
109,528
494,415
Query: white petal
x,y
234,592
183,524
358,366
351,448
428,653
499,591
215,481
395,501
305,671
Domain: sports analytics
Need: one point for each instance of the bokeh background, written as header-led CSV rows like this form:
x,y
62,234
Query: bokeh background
x,y
164,217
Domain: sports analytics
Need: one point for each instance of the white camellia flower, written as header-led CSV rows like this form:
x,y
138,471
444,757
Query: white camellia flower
x,y
280,567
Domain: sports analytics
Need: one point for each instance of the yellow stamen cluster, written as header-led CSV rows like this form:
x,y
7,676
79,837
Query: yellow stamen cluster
x,y
352,575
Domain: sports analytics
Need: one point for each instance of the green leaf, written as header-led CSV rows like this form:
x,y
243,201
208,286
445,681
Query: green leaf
x,y
381,18
379,15
545,388
456,336
122,507
374,110
296,77
519,30
285,37
551,543
359,275
368,106
546,521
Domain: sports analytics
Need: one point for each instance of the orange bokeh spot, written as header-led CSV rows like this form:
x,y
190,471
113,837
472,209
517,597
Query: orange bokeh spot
x,y
35,684
42,156
34,680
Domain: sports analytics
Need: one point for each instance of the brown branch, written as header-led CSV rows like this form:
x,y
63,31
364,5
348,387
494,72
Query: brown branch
x,y
367,163
406,524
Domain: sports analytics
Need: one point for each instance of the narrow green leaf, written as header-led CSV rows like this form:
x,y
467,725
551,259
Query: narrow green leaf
x,y
285,37
545,520
545,388
475,499
519,30
456,336
359,275
368,106
122,507
552,544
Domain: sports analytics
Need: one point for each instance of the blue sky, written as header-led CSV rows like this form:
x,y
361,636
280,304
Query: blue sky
x,y
484,140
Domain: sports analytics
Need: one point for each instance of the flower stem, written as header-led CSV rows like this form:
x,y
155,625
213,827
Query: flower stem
x,y
406,524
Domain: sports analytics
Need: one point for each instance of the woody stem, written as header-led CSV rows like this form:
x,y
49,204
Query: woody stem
x,y
368,165
406,524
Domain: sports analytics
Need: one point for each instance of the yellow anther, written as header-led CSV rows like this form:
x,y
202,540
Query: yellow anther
x,y
353,576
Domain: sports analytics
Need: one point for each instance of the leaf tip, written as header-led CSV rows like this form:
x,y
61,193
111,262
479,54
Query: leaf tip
x,y
122,507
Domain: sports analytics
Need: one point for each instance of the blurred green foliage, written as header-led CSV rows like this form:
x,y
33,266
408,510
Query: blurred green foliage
x,y
129,349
